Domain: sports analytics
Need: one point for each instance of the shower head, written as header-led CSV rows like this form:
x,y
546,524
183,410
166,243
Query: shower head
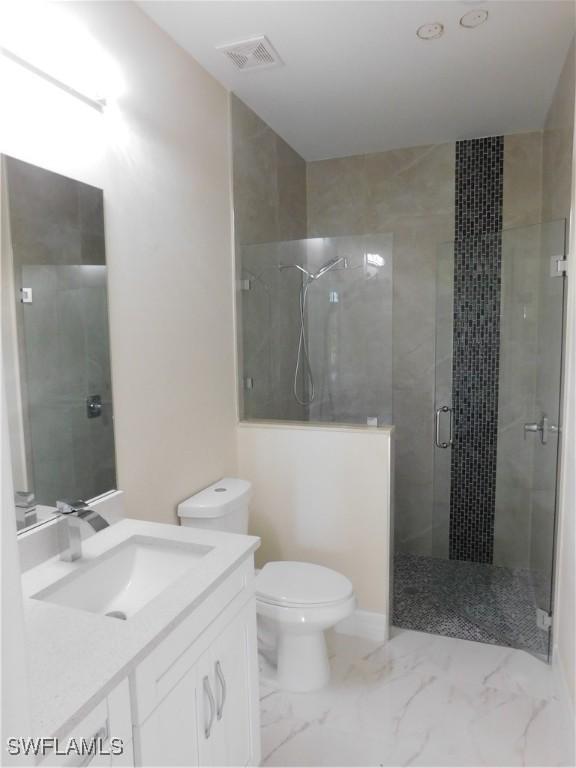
x,y
328,266
282,267
323,269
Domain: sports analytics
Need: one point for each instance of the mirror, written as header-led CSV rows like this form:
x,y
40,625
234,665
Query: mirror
x,y
55,340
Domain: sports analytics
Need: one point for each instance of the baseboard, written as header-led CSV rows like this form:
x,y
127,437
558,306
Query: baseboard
x,y
368,625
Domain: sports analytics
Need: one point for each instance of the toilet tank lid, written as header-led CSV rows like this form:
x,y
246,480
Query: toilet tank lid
x,y
221,498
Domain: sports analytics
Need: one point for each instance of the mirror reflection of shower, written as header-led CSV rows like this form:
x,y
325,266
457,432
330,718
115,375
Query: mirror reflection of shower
x,y
303,357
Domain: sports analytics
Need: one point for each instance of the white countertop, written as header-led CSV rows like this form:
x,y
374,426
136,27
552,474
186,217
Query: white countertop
x,y
77,657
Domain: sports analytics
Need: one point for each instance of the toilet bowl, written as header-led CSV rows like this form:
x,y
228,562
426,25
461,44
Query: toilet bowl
x,y
299,601
296,601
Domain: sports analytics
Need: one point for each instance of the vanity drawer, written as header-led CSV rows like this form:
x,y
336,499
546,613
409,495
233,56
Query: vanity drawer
x,y
162,669
109,723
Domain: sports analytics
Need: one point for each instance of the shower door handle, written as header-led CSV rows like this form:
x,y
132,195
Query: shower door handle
x,y
544,427
439,412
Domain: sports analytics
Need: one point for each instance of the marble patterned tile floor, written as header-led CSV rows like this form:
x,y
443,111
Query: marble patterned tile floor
x,y
473,601
423,700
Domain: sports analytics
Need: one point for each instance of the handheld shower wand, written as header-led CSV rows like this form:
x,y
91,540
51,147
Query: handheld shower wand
x,y
302,358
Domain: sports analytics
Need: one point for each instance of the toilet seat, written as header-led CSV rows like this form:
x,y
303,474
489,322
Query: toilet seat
x,y
301,585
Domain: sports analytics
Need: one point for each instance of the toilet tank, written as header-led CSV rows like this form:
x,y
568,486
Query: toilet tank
x,y
223,506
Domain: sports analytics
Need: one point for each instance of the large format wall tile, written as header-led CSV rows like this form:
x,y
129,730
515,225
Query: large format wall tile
x,y
408,193
269,210
269,181
522,196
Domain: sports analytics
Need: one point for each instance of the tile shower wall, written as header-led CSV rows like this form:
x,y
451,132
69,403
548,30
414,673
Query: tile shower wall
x,y
409,194
518,361
269,184
518,320
518,329
476,347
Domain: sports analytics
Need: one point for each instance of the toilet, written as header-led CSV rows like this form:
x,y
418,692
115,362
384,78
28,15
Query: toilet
x,y
295,601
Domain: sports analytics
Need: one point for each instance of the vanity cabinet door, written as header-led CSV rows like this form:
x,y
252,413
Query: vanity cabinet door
x,y
228,685
170,736
109,724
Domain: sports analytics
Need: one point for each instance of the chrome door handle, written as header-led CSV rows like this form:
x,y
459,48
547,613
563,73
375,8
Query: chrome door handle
x,y
544,427
209,695
220,700
439,412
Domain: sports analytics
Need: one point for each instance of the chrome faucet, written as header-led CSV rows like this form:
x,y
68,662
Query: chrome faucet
x,y
69,535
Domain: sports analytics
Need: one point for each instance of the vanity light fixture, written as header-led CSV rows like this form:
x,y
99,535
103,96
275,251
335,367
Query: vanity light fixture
x,y
431,31
95,101
474,18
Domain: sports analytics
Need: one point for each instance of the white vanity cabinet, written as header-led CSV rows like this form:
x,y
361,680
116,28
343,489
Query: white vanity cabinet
x,y
195,697
110,725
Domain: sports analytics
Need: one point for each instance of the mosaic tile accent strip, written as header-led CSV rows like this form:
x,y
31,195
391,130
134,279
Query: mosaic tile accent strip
x,y
476,346
472,601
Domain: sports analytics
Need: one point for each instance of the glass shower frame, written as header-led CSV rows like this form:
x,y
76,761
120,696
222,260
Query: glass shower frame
x,y
530,367
348,329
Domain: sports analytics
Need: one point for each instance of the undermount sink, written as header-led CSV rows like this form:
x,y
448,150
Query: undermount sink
x,y
123,580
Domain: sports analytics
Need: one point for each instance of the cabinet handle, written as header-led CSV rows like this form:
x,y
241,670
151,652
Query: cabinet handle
x,y
208,693
222,680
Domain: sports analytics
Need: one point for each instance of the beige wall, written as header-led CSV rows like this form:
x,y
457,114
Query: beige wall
x,y
321,493
161,153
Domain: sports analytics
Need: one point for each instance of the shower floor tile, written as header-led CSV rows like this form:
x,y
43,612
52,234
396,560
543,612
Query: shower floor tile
x,y
471,601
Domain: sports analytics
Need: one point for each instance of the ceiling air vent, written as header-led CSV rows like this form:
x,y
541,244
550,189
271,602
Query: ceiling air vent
x,y
255,53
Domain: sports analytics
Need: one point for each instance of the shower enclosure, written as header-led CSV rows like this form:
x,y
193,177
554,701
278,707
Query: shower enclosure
x,y
317,330
316,341
489,574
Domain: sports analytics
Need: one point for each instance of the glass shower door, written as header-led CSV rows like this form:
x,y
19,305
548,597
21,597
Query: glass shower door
x,y
507,597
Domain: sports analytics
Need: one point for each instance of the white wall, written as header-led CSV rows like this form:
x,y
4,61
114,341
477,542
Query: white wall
x,y
565,598
160,152
15,707
322,493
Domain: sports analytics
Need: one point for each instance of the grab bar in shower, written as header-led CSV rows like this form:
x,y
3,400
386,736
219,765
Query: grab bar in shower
x,y
439,411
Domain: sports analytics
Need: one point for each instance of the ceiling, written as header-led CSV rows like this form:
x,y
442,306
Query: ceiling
x,y
356,78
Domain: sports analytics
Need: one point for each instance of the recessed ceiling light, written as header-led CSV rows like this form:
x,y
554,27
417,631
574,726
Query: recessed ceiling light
x,y
430,31
473,18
